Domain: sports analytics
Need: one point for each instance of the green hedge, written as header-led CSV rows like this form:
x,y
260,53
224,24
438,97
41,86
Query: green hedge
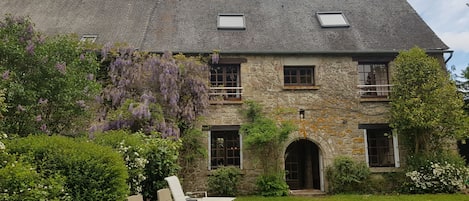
x,y
91,172
19,183
224,181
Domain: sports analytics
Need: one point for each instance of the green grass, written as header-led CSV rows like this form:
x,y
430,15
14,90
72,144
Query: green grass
x,y
427,197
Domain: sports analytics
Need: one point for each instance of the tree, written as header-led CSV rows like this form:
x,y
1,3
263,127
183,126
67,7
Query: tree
x,y
462,82
48,82
426,108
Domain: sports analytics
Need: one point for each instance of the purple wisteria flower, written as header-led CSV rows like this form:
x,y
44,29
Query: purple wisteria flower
x,y
81,103
215,57
20,108
90,77
61,67
30,48
6,75
105,50
41,39
38,118
44,128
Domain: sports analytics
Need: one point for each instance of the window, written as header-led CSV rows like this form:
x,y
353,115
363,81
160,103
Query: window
x,y
298,75
225,81
381,146
225,147
231,21
332,19
89,38
374,79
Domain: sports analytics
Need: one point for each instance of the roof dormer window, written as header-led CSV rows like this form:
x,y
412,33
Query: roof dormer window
x,y
332,19
231,21
89,38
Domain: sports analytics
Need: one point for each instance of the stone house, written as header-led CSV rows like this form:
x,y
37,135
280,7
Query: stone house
x,y
328,61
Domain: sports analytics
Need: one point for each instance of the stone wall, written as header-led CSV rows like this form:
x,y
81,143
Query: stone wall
x,y
333,109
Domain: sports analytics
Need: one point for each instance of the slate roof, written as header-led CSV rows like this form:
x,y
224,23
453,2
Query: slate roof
x,y
272,26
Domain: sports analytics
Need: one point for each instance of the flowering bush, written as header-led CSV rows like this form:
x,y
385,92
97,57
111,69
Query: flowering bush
x,y
148,158
131,148
45,81
437,177
135,164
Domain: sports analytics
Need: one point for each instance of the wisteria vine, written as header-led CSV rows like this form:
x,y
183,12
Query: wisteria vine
x,y
149,92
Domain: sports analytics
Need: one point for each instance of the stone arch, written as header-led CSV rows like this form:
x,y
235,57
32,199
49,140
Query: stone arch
x,y
304,163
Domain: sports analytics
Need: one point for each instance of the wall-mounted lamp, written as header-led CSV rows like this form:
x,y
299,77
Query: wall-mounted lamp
x,y
301,113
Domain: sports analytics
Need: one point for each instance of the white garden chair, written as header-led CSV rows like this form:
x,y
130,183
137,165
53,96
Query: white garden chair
x,y
178,194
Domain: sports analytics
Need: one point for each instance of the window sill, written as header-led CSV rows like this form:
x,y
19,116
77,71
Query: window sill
x,y
301,87
374,99
226,102
384,169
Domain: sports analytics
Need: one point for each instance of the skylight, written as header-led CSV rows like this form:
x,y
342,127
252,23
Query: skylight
x,y
231,21
89,38
332,19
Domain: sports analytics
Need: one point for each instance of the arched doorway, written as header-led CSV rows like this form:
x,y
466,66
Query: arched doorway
x,y
303,166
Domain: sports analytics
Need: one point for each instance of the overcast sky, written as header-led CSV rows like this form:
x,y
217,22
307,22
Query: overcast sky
x,y
450,21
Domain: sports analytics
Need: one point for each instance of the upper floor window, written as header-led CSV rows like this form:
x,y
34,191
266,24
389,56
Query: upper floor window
x,y
231,21
332,19
374,79
225,82
225,147
381,146
298,75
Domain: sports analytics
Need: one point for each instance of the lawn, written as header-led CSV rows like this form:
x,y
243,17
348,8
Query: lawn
x,y
439,197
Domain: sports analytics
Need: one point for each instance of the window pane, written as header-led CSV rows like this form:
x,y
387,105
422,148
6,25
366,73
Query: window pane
x,y
226,75
335,19
380,148
301,75
231,21
375,74
227,144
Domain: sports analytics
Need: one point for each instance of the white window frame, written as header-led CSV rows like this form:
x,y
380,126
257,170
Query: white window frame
x,y
231,21
338,19
395,144
89,38
209,148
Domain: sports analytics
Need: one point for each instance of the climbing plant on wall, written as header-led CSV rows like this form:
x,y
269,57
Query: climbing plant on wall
x,y
151,92
265,138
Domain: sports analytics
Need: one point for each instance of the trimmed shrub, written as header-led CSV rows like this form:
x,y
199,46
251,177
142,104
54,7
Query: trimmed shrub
x,y
224,181
347,175
272,185
91,172
20,182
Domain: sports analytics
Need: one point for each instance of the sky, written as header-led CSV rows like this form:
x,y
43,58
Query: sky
x,y
449,19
